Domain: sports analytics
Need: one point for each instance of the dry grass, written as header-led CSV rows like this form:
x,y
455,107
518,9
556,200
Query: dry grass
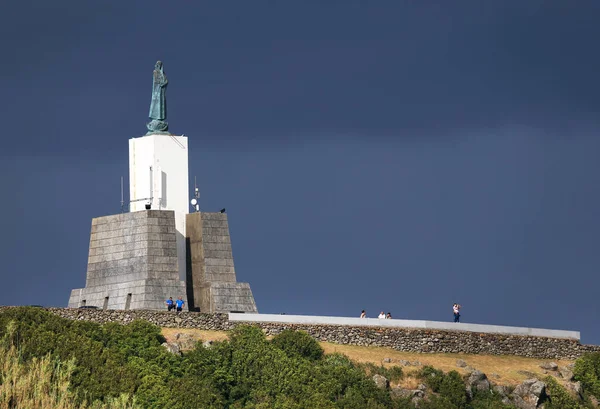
x,y
506,367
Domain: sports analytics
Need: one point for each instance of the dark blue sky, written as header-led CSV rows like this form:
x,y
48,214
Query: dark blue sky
x,y
395,155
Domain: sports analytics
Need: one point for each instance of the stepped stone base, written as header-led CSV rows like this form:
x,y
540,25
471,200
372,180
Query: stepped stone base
x,y
212,283
226,297
132,262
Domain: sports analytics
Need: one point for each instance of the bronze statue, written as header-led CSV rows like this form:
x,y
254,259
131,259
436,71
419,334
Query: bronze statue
x,y
158,106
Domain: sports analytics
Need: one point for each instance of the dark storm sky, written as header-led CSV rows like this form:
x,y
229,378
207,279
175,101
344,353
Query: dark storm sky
x,y
387,155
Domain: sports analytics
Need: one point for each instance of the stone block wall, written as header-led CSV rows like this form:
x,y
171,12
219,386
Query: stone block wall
x,y
401,339
212,283
224,296
216,243
132,262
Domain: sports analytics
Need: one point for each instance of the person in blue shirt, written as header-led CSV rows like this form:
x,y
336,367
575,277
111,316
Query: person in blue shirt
x,y
179,304
170,304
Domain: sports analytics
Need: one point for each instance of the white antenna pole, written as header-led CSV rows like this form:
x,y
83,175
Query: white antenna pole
x,y
122,202
196,195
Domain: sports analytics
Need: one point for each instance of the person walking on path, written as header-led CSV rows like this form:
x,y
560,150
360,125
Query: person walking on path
x,y
170,304
179,304
456,311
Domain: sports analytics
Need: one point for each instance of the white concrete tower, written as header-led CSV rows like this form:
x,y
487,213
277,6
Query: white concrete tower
x,y
158,177
158,167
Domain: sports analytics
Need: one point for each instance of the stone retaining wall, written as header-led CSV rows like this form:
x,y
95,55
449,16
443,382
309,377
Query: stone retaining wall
x,y
401,339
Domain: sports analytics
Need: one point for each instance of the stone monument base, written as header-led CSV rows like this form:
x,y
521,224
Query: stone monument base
x,y
134,295
211,279
226,297
132,262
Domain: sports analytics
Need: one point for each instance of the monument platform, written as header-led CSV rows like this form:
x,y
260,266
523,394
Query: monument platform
x,y
132,262
394,323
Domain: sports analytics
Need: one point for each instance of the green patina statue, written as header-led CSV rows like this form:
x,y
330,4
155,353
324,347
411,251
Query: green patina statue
x,y
158,106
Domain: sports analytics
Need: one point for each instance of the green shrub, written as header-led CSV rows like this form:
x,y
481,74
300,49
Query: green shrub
x,y
44,383
299,344
112,362
487,400
587,371
559,397
432,377
450,387
392,373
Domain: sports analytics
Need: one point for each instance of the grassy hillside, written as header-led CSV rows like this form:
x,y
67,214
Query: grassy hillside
x,y
55,363
510,370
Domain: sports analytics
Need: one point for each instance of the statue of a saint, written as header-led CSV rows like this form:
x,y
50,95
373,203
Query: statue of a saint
x,y
158,106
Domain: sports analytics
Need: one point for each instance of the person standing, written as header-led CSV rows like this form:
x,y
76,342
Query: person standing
x,y
363,314
179,303
456,311
170,304
388,316
382,315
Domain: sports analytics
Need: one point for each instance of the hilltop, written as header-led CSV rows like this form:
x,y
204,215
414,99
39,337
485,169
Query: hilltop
x,y
52,362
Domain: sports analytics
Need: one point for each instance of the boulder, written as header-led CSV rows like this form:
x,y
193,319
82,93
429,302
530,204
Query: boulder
x,y
501,390
460,363
416,363
404,362
506,400
172,348
381,382
207,343
400,392
529,394
566,373
518,402
550,366
185,341
477,380
575,389
387,360
407,393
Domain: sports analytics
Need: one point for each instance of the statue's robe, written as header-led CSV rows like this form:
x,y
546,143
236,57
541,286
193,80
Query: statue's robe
x,y
158,106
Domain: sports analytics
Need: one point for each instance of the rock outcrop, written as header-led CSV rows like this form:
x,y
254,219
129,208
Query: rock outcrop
x,y
381,381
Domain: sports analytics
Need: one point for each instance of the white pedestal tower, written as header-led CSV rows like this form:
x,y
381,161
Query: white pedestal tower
x,y
158,179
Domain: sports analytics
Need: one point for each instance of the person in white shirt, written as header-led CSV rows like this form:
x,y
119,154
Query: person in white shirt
x,y
456,311
382,315
363,314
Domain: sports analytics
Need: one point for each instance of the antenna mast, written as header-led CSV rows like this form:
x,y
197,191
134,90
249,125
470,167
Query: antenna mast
x,y
122,201
195,202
